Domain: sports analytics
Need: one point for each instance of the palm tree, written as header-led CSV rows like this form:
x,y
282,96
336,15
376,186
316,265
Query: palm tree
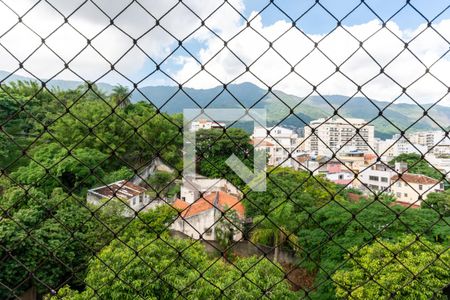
x,y
121,96
274,229
227,226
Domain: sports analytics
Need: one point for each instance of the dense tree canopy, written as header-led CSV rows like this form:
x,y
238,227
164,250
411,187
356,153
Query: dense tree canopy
x,y
439,202
215,146
408,269
43,235
139,265
418,165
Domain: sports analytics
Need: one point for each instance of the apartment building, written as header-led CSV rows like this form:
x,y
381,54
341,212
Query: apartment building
x,y
330,136
281,144
377,178
391,148
427,138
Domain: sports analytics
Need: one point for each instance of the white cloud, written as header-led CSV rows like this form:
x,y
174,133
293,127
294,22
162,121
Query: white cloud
x,y
109,44
250,47
382,48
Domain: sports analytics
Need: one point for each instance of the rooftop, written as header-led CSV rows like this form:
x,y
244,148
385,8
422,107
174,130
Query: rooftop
x,y
219,200
122,189
415,178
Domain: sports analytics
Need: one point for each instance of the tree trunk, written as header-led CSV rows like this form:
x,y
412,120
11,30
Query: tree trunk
x,y
276,253
277,246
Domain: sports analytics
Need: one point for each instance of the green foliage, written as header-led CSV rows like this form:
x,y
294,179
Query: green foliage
x,y
120,96
227,227
123,173
418,165
276,229
52,166
413,269
86,118
45,235
214,147
169,268
162,183
439,202
304,191
334,229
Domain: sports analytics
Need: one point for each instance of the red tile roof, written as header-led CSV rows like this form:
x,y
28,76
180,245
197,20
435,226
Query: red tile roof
x,y
260,143
207,202
415,178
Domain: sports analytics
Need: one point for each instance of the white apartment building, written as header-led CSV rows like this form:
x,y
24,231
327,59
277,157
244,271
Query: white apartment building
x,y
428,138
205,124
377,178
439,162
391,148
281,145
339,135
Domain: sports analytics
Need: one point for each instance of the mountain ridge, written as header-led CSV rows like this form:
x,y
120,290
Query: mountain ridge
x,y
394,116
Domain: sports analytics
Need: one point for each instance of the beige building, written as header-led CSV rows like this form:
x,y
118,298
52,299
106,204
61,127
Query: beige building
x,y
408,187
339,135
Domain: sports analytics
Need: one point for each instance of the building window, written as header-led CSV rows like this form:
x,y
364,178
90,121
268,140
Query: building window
x,y
134,201
399,194
341,176
420,187
406,195
373,178
141,198
384,179
399,184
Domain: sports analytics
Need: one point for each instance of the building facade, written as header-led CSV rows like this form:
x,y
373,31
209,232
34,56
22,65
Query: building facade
x,y
205,124
281,145
200,219
411,189
328,137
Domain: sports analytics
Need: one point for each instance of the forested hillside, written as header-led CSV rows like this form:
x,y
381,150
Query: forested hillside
x,y
56,144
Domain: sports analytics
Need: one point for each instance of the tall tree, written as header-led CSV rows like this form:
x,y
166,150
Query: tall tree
x,y
276,228
121,96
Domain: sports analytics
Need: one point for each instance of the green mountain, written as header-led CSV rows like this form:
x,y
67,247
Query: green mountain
x,y
388,118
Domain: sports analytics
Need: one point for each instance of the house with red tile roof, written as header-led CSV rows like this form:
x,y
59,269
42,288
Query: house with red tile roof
x,y
411,189
200,219
339,174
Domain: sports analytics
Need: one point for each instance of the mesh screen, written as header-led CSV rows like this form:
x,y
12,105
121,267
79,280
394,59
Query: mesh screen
x,y
224,149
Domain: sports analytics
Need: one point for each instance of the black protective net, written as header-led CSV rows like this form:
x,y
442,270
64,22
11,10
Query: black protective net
x,y
347,104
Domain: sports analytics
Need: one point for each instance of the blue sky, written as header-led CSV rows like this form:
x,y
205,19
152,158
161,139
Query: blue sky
x,y
292,46
317,21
